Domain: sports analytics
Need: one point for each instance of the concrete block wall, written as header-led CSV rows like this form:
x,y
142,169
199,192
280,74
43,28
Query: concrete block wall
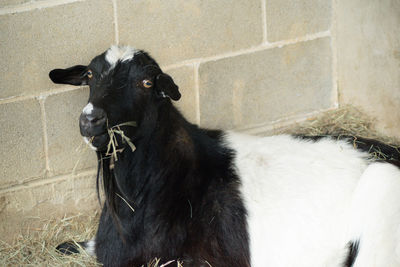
x,y
249,65
368,56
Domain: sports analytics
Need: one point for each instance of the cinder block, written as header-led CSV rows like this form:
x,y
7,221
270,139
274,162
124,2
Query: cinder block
x,y
288,19
34,42
16,209
67,151
260,87
368,45
25,208
22,151
7,3
18,201
176,30
78,192
184,78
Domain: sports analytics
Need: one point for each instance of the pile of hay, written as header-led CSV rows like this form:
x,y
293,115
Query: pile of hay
x,y
352,125
36,247
343,121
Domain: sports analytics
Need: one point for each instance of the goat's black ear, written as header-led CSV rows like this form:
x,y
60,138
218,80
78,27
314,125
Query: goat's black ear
x,y
75,75
165,84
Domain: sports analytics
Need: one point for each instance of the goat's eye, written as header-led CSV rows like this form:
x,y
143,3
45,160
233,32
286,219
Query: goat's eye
x,y
89,74
147,83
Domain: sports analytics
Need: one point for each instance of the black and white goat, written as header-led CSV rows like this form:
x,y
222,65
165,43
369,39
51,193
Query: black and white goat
x,y
220,198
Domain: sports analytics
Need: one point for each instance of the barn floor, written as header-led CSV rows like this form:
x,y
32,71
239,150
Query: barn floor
x,y
36,246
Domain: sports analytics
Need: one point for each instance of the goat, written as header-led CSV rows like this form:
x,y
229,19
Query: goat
x,y
219,198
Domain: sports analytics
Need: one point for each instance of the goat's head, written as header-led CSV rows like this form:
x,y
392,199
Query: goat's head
x,y
123,82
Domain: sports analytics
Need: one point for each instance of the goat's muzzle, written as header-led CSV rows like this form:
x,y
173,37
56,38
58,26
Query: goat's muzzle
x,y
93,123
93,126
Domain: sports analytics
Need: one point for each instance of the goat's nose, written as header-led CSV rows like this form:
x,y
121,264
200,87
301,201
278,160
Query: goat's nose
x,y
92,120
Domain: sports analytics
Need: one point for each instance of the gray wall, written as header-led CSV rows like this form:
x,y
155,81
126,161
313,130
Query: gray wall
x,y
368,37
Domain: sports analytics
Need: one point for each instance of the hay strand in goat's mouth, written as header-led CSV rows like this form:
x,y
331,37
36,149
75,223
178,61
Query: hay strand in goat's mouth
x,y
112,147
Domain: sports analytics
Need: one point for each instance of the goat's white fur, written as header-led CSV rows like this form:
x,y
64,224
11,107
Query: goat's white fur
x,y
119,53
90,247
87,141
88,109
375,216
304,199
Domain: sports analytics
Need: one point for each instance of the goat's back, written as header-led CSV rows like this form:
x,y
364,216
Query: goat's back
x,y
299,195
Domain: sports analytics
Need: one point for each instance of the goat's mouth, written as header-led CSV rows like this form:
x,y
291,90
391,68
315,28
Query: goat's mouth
x,y
110,140
97,142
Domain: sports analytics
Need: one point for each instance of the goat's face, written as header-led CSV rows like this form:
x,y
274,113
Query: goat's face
x,y
123,83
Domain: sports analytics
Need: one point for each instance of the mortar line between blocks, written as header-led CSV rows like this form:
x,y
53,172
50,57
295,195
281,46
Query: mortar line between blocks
x,y
264,20
50,180
40,95
335,82
45,137
29,6
197,91
114,2
258,48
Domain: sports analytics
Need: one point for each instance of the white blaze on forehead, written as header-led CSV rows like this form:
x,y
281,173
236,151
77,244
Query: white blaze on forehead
x,y
119,53
88,109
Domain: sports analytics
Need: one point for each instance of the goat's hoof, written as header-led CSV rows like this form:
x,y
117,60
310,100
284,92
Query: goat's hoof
x,y
68,248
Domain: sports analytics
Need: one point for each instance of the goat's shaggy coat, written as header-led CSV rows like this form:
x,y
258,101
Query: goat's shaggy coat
x,y
224,199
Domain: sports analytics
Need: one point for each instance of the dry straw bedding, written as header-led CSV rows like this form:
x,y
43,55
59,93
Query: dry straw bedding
x,y
35,246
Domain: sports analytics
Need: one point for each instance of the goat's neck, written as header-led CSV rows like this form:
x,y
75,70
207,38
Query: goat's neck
x,y
163,145
166,131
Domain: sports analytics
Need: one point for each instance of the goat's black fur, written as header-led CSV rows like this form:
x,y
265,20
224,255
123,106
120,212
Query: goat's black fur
x,y
378,150
179,181
353,248
184,192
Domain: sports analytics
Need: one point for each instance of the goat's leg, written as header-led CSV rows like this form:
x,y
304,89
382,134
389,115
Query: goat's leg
x,y
70,247
375,217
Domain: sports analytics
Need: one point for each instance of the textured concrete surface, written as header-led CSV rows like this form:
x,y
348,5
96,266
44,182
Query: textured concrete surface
x,y
184,78
22,152
255,88
67,151
8,3
177,30
287,19
368,38
33,43
77,192
23,208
